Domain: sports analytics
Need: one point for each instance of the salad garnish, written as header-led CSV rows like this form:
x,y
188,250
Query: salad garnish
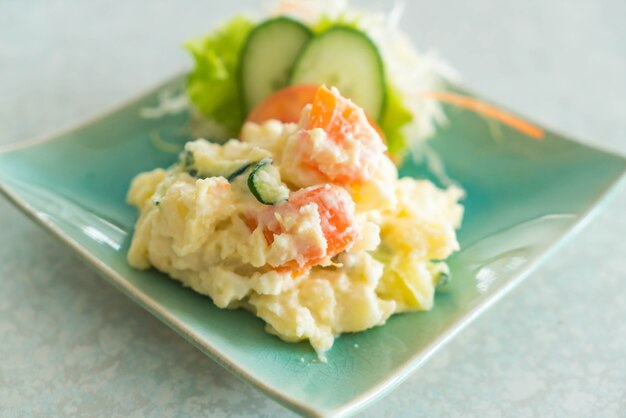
x,y
244,62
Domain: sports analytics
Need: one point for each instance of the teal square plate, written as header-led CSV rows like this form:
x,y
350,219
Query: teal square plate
x,y
523,197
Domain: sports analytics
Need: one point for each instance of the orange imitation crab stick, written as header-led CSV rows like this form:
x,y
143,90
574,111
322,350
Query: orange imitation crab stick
x,y
337,222
336,210
286,105
336,115
350,135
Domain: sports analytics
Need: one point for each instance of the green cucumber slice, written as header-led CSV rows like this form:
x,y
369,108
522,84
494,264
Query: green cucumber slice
x,y
228,169
345,58
264,183
268,57
232,176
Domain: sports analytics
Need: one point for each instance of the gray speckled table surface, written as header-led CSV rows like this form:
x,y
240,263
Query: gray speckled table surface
x,y
73,345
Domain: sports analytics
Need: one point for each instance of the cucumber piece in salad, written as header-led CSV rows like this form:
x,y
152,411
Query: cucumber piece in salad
x,y
345,58
264,183
268,57
220,168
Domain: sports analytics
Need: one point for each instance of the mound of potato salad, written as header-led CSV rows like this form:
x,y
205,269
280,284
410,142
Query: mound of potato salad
x,y
305,224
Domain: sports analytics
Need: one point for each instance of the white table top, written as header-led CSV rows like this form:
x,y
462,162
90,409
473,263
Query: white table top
x,y
71,344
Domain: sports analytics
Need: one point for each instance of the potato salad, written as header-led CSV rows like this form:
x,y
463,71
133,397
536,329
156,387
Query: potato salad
x,y
305,224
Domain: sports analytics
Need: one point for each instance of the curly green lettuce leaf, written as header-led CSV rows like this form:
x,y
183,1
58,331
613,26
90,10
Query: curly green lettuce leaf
x,y
212,86
395,116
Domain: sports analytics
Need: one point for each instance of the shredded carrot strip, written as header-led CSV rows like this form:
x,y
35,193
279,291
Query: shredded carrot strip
x,y
487,110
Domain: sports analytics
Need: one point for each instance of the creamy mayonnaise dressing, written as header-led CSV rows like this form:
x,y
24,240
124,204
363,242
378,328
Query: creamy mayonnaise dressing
x,y
212,235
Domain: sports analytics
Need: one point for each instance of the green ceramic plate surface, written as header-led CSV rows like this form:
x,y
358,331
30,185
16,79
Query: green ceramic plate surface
x,y
523,197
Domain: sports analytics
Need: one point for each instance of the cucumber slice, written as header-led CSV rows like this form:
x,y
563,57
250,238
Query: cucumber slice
x,y
228,169
232,176
268,57
264,183
345,58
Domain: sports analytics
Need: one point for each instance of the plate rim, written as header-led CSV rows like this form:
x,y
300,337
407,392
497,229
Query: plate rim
x,y
394,377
